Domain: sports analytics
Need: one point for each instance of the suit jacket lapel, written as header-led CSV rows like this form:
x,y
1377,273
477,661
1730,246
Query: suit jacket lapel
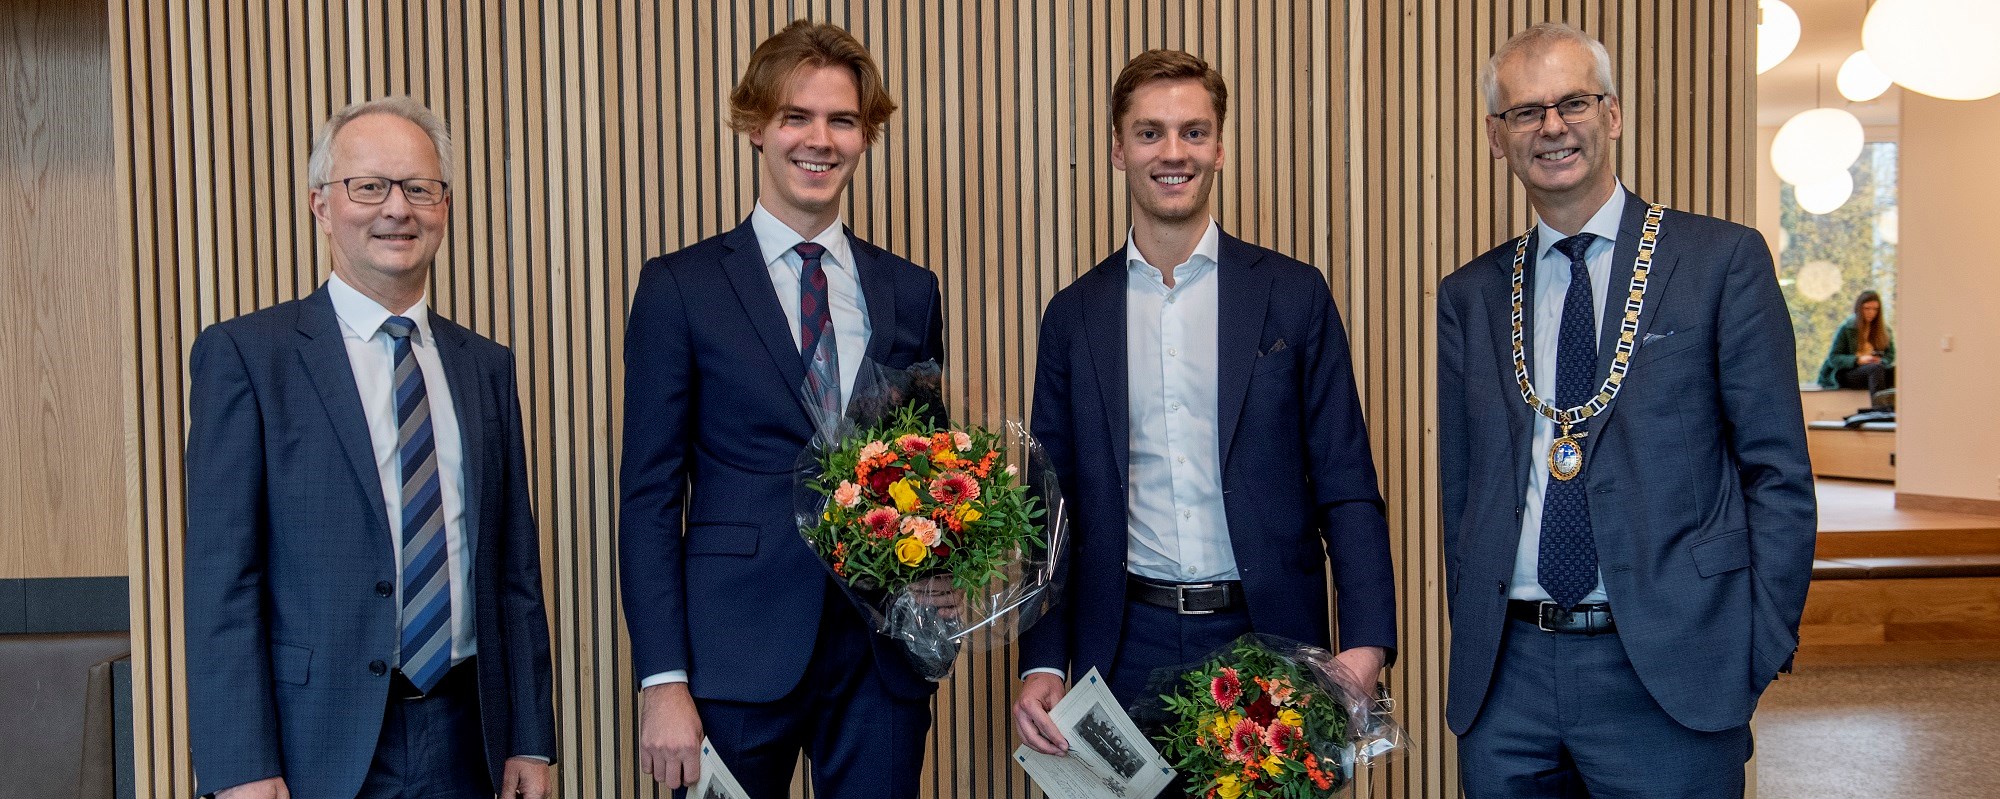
x,y
467,385
1630,226
745,267
324,355
1242,297
878,290
1104,328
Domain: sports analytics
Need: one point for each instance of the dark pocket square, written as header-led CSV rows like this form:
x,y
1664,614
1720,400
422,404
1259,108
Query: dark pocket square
x,y
1276,347
1652,337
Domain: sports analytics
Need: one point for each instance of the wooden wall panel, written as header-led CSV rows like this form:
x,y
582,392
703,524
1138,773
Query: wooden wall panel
x,y
61,470
591,135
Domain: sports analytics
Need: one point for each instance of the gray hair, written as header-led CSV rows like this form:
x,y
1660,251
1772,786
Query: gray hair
x,y
319,168
1540,35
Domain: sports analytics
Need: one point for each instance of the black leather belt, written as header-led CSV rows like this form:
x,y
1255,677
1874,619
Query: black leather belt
x,y
457,678
1187,599
1588,619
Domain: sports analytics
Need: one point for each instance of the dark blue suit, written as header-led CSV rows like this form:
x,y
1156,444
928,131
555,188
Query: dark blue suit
x,y
289,634
1700,495
716,577
1297,474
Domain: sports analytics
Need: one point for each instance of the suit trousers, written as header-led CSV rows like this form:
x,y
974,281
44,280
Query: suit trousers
x,y
1566,716
431,746
864,742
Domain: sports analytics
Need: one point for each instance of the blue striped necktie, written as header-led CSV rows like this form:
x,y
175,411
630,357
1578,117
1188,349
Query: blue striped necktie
x,y
816,339
1567,560
426,612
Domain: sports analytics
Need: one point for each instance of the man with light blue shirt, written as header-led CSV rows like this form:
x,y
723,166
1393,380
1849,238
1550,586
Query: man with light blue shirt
x,y
735,347
1627,505
364,594
1196,398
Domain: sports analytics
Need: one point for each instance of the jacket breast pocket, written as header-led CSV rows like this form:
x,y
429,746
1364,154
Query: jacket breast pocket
x,y
291,664
1275,361
722,539
1670,344
1723,553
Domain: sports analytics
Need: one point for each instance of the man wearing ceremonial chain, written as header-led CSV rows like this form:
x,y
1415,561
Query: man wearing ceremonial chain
x,y
1619,605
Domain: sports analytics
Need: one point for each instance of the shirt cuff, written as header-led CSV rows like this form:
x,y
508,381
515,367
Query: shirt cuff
x,y
543,758
1046,670
662,678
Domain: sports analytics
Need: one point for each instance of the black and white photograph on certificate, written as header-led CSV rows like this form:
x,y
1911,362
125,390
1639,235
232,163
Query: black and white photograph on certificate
x,y
716,782
1108,757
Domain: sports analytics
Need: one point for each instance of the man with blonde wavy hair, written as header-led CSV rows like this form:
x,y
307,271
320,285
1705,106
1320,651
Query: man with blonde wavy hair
x,y
737,629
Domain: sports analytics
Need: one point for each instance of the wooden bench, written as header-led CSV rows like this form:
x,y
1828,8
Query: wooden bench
x,y
1903,608
1867,452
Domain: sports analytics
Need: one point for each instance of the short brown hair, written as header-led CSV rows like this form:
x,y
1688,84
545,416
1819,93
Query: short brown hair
x,y
1159,65
806,43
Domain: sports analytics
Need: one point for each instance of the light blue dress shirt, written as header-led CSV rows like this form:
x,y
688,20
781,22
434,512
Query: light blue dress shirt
x,y
1551,285
1176,529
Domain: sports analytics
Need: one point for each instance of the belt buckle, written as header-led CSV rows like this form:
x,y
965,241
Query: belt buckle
x,y
1543,610
1180,600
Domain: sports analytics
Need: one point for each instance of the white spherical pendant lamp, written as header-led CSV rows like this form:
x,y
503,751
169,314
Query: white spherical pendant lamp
x,y
1948,49
1777,33
1859,79
1816,143
1825,195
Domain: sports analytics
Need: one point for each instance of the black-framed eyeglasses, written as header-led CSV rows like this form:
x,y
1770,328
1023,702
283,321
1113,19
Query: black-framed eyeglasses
x,y
374,189
1524,118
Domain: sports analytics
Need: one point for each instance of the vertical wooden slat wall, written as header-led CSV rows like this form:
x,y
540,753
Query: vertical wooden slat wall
x,y
591,135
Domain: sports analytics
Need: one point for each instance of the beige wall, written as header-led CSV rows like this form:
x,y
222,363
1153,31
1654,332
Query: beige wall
x,y
1948,286
62,471
590,136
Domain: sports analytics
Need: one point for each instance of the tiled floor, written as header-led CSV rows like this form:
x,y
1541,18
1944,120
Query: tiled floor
x,y
1881,731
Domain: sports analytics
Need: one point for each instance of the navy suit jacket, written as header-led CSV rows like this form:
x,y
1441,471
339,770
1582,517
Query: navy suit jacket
x,y
1298,478
290,631
1701,497
716,577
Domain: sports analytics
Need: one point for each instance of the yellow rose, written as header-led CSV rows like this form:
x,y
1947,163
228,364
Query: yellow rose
x,y
1290,718
1228,787
904,492
911,551
1273,764
968,514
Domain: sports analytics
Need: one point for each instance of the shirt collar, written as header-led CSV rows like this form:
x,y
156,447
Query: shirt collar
x,y
1207,253
1603,224
775,239
361,317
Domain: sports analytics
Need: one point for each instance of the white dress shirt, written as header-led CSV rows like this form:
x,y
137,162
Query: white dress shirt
x,y
1176,529
371,353
1551,286
775,240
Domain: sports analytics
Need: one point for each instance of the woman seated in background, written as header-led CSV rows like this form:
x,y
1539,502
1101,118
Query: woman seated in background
x,y
1863,355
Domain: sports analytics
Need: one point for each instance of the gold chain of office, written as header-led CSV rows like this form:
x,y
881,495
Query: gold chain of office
x,y
1565,454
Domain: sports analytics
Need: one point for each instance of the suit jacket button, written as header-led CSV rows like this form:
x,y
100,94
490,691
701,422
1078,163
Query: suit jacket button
x,y
378,668
383,588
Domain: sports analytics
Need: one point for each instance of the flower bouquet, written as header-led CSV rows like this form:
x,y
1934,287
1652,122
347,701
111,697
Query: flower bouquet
x,y
943,535
1266,717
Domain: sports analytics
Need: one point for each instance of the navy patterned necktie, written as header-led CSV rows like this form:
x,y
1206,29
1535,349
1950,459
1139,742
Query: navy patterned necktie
x,y
426,613
816,339
1567,562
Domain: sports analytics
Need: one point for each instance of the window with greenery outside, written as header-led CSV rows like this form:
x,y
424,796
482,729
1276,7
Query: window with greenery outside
x,y
1824,261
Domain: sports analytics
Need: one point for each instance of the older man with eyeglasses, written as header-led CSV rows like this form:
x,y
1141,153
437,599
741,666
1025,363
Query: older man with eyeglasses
x,y
1628,510
363,594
